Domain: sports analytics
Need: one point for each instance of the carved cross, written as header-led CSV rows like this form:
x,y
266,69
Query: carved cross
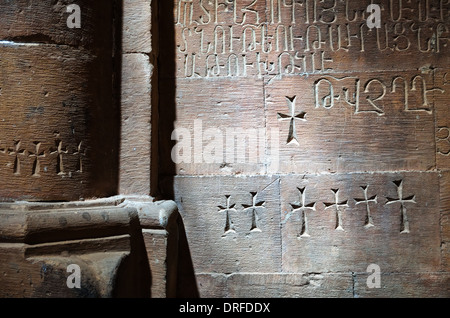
x,y
229,226
80,155
254,210
292,117
337,205
410,199
36,155
16,152
367,201
301,207
60,151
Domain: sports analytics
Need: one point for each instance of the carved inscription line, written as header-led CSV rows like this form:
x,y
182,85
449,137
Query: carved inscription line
x,y
328,90
263,50
443,140
304,12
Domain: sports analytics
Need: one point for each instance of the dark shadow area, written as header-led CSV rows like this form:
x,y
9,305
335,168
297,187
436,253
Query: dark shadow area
x,y
134,277
186,282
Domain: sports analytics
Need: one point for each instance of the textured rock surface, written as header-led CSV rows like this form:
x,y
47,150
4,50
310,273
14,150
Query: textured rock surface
x,y
344,145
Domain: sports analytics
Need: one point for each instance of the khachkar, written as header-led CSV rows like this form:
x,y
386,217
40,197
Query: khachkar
x,y
320,131
59,117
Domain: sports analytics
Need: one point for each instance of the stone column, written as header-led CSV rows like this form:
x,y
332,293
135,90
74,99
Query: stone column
x,y
59,111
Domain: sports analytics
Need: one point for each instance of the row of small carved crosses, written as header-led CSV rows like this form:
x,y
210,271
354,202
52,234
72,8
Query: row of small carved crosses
x,y
301,206
59,151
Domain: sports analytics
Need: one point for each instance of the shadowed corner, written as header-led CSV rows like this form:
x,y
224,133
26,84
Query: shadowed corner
x,y
186,285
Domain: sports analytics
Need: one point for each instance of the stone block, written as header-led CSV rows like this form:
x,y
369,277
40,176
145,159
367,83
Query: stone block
x,y
289,285
350,123
236,227
275,285
405,285
137,26
344,222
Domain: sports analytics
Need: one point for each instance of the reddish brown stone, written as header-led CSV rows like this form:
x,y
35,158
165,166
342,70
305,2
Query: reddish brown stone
x,y
213,133
445,219
347,134
276,285
441,97
248,240
49,148
405,285
348,240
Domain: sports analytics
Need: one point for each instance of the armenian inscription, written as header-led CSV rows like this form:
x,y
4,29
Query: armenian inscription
x,y
358,93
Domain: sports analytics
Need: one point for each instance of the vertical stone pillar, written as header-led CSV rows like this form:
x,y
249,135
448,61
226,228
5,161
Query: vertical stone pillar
x,y
138,150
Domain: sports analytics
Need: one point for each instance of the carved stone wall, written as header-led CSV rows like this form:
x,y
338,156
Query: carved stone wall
x,y
307,145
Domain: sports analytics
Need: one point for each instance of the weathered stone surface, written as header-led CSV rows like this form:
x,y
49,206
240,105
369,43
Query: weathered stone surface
x,y
277,38
441,98
45,21
251,285
120,255
445,219
236,227
405,285
137,26
136,114
42,271
334,131
350,114
212,285
36,223
356,233
58,107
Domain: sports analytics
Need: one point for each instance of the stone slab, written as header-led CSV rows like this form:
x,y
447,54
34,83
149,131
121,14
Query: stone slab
x,y
136,156
252,38
276,285
405,285
248,240
351,122
347,239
